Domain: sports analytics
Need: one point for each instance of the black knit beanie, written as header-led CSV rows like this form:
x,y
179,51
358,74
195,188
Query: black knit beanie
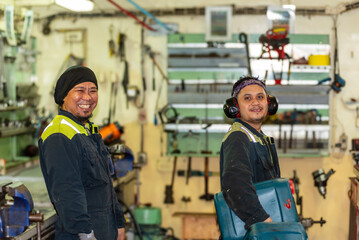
x,y
70,78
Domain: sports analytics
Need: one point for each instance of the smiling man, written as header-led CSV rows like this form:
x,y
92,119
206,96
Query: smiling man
x,y
77,166
247,155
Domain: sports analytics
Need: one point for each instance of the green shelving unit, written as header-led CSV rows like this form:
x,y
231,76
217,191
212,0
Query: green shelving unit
x,y
201,78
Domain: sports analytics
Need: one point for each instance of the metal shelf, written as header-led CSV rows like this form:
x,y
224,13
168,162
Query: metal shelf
x,y
317,154
267,128
9,132
198,51
201,78
199,38
309,68
203,69
12,108
263,64
184,57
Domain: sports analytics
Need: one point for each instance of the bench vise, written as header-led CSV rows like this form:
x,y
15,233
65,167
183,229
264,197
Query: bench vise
x,y
14,214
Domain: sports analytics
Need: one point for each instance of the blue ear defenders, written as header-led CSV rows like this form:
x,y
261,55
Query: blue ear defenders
x,y
231,108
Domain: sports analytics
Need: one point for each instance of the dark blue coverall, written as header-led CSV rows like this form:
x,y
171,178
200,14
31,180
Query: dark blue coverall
x,y
76,166
246,157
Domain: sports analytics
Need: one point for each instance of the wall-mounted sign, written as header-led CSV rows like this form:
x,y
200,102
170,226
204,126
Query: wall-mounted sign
x,y
218,23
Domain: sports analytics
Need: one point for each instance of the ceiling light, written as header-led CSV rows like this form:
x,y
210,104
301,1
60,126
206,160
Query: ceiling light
x,y
76,5
289,6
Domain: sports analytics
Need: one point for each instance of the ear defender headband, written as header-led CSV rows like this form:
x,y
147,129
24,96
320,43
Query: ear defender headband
x,y
231,108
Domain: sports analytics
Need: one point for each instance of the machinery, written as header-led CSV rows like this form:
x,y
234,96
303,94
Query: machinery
x,y
122,158
275,40
320,180
111,133
16,214
306,222
142,221
338,83
149,220
123,163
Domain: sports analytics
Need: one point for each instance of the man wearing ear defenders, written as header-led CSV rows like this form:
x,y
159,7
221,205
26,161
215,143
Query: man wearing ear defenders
x,y
247,155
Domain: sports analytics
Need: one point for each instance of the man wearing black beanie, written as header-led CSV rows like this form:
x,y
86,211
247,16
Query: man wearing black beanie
x,y
77,166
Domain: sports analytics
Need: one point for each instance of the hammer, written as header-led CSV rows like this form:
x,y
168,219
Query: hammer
x,y
206,196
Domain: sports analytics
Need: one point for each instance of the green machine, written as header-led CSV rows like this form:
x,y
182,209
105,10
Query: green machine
x,y
149,220
19,96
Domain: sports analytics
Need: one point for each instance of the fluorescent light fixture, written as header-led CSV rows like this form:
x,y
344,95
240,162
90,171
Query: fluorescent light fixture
x,y
289,6
76,5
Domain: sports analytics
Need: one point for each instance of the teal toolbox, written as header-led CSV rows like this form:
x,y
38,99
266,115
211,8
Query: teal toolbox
x,y
275,231
276,198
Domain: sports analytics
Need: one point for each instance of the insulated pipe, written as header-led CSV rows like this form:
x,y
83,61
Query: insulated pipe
x,y
150,16
152,56
131,15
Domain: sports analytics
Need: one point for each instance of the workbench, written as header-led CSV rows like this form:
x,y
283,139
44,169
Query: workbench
x,y
31,177
199,225
47,227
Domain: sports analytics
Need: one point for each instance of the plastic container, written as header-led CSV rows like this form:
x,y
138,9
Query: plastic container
x,y
319,60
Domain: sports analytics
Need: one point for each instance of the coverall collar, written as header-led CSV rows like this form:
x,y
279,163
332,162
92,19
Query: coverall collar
x,y
71,116
249,127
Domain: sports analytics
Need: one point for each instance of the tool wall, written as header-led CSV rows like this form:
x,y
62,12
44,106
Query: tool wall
x,y
201,76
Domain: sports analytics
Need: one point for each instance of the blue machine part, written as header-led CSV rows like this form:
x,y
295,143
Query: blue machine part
x,y
14,218
276,199
122,158
275,230
336,85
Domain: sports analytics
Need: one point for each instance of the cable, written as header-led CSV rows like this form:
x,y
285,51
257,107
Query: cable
x,y
137,226
346,105
151,16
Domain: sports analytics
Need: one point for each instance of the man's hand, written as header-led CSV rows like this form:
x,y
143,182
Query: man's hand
x,y
87,236
268,220
121,234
